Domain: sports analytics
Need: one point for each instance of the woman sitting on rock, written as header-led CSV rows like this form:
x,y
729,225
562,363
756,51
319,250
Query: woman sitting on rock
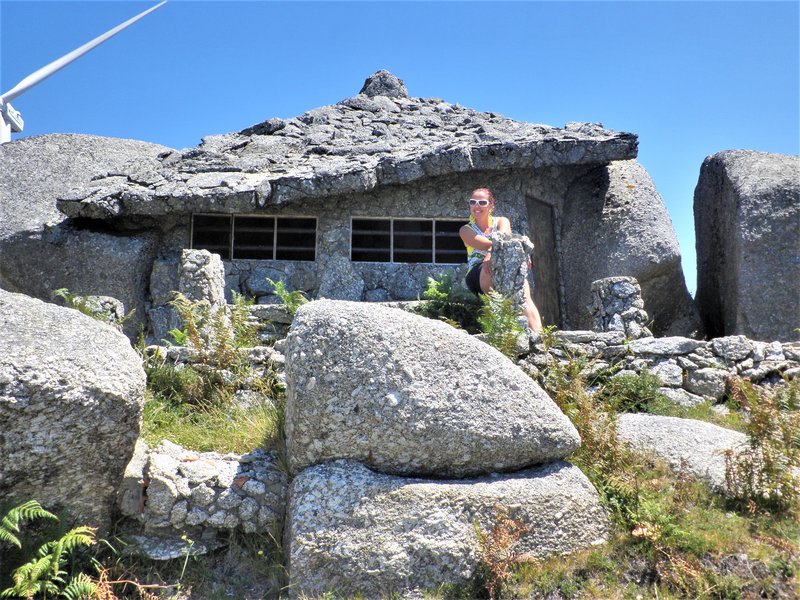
x,y
475,236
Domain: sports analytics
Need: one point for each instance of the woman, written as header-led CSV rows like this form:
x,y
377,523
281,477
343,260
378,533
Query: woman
x,y
475,236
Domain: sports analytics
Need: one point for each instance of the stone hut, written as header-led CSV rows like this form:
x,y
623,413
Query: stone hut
x,y
362,200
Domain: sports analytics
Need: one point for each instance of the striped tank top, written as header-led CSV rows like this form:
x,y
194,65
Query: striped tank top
x,y
475,256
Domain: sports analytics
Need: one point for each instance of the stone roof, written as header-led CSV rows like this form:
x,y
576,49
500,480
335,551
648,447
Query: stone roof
x,y
377,138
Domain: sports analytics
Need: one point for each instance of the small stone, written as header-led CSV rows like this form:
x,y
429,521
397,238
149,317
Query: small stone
x,y
681,397
202,495
670,374
707,382
178,514
733,347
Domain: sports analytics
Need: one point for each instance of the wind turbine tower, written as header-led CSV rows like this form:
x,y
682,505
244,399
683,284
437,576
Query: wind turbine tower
x,y
11,119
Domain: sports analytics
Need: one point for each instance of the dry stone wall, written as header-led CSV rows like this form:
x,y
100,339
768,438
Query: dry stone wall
x,y
172,488
690,371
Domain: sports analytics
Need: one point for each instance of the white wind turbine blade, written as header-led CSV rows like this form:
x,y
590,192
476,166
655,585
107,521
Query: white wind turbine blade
x,y
45,72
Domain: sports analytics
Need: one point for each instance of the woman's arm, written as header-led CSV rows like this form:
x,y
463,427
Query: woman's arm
x,y
472,239
503,225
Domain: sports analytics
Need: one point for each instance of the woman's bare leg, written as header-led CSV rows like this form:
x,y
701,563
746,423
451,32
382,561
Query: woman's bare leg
x,y
530,310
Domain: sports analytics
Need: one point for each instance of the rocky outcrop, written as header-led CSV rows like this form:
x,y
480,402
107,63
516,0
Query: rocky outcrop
x,y
380,137
71,397
687,445
747,227
407,395
353,531
170,487
41,250
614,223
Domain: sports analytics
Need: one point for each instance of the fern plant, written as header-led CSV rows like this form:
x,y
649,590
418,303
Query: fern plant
x,y
291,300
444,300
11,521
44,574
499,321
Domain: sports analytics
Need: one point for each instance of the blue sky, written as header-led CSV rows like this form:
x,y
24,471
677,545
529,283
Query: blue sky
x,y
690,78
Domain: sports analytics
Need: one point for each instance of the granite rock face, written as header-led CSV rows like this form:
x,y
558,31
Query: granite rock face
x,y
71,397
380,137
353,531
697,446
615,224
41,251
411,396
747,227
509,263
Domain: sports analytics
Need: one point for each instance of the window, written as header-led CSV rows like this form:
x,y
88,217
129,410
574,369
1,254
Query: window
x,y
407,241
256,237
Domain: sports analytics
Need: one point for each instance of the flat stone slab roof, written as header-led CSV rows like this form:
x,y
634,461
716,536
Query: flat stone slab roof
x,y
379,137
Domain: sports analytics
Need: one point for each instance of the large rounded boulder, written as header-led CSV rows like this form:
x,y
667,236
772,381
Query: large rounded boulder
x,y
359,533
71,397
42,250
411,396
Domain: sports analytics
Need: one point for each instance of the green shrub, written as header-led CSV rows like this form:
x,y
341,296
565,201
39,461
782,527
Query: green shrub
x,y
765,472
245,332
444,300
499,320
291,300
632,393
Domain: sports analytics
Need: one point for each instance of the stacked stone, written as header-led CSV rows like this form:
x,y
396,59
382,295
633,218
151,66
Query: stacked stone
x,y
617,305
171,488
691,371
402,434
202,278
509,263
198,274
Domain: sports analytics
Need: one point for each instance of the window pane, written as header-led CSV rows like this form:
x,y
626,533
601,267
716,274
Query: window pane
x,y
212,233
370,240
413,241
253,237
449,247
297,239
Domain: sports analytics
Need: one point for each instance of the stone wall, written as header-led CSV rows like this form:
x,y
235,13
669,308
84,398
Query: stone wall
x,y
569,195
690,371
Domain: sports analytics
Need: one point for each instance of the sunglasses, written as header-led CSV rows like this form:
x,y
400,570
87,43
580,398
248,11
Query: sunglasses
x,y
476,202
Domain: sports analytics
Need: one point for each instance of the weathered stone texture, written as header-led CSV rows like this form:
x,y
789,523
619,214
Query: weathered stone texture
x,y
182,489
202,278
617,305
71,396
691,371
378,138
509,263
412,396
353,531
747,230
41,251
695,446
614,223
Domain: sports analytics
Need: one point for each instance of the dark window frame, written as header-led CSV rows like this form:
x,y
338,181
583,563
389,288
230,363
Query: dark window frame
x,y
391,249
276,227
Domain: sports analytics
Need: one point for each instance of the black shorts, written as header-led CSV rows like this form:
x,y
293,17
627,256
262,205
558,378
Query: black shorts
x,y
473,279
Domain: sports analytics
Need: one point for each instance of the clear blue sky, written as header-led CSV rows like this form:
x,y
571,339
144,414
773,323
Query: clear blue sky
x,y
690,78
